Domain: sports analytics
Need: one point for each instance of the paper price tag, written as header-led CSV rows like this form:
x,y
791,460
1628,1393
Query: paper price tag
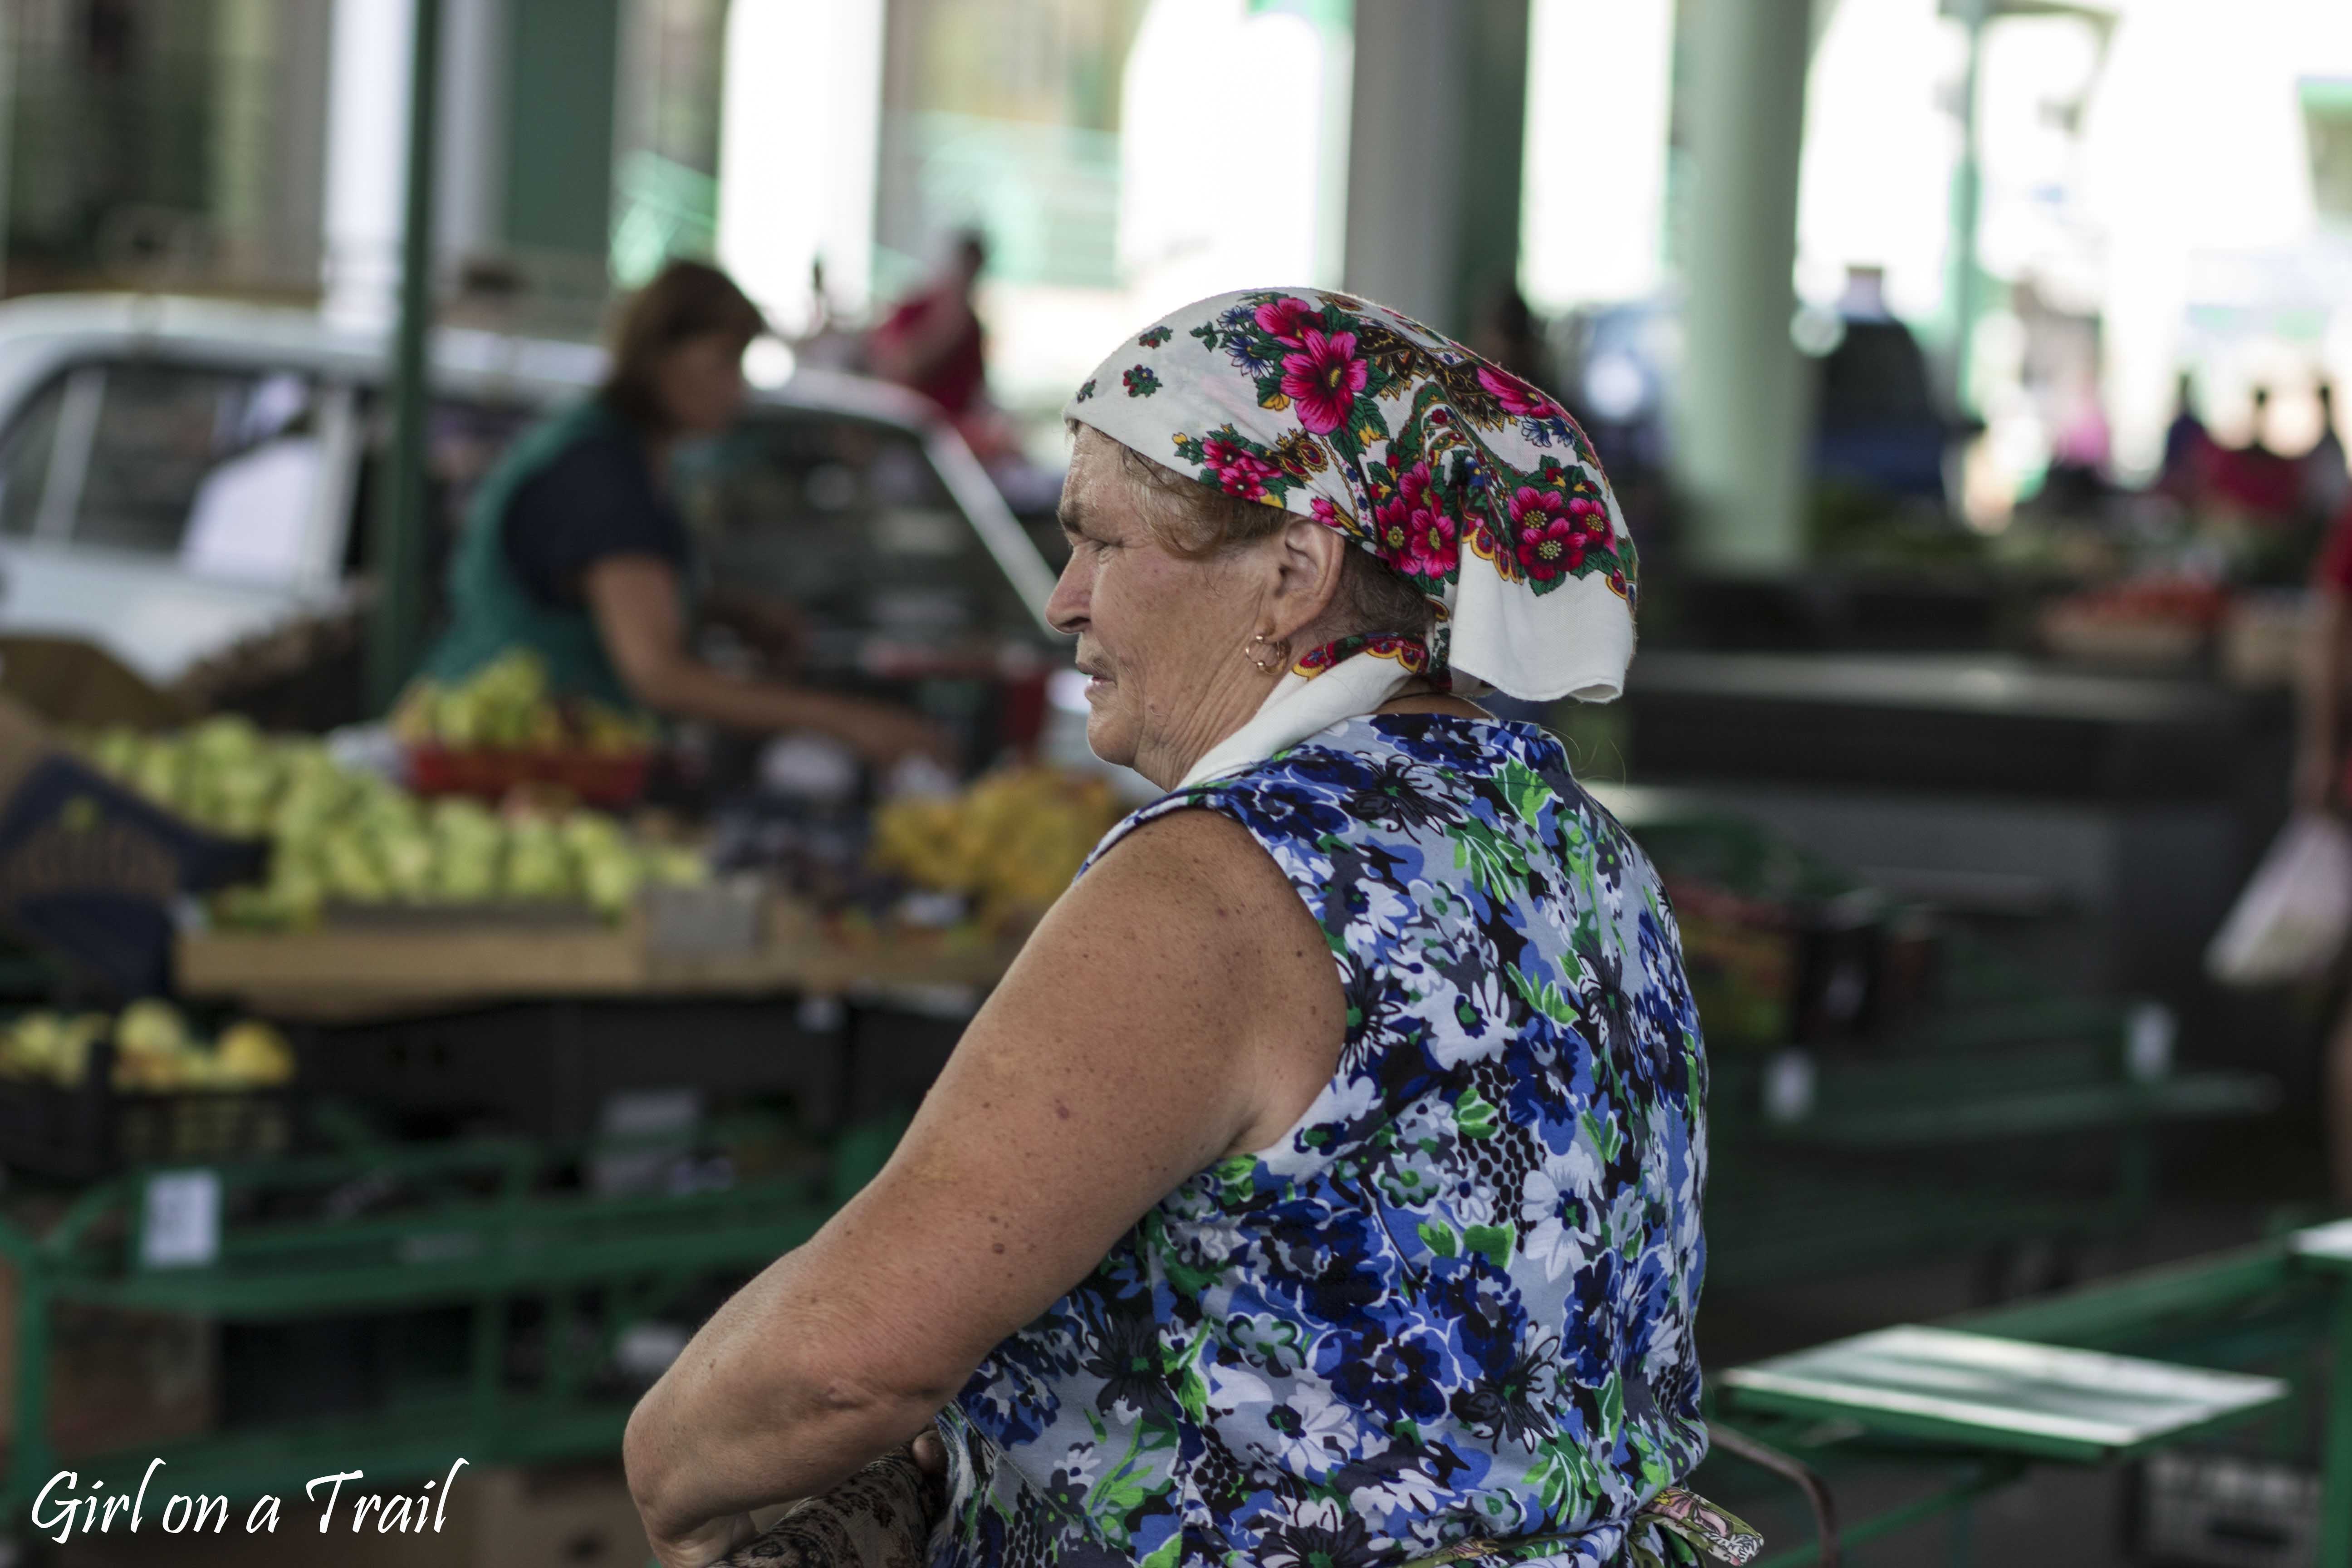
x,y
180,1220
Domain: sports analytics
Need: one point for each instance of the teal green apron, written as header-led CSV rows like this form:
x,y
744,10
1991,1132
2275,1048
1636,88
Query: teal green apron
x,y
491,611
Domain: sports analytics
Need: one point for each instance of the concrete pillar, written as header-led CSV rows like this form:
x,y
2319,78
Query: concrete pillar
x,y
1744,418
297,207
367,113
469,187
1436,122
1494,119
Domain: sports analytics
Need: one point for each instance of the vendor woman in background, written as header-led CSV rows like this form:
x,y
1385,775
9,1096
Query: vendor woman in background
x,y
573,548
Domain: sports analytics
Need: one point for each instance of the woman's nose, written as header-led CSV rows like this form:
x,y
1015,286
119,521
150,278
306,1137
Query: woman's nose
x,y
1066,608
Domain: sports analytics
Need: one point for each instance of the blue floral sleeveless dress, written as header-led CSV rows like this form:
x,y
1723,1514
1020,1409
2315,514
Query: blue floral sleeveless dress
x,y
1451,1309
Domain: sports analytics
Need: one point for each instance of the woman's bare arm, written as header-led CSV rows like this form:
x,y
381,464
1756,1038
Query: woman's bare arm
x,y
1176,1006
633,599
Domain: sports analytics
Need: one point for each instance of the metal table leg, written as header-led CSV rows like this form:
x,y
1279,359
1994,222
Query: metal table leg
x,y
2335,1496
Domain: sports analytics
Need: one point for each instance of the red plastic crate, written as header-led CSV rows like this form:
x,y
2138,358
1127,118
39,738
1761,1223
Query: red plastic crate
x,y
597,778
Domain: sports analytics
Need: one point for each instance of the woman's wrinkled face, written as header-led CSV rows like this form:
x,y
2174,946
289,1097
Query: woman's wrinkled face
x,y
1161,638
700,382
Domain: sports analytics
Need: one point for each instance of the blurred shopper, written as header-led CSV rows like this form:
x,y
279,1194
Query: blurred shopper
x,y
1877,423
933,341
1243,1226
2255,479
2188,445
2326,484
934,344
1512,336
573,548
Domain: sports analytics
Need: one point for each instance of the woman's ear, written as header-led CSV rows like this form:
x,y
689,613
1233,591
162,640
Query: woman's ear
x,y
1308,557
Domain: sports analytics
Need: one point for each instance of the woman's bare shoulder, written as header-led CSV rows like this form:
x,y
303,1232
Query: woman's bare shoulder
x,y
1188,922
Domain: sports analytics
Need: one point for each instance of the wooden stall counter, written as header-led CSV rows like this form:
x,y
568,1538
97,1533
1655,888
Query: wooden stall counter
x,y
346,971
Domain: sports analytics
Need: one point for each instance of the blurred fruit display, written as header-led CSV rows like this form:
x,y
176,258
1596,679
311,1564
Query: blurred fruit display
x,y
502,727
345,836
156,1050
2159,623
1008,844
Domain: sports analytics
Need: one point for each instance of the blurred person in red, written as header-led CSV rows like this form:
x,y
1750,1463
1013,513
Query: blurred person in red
x,y
932,342
2254,477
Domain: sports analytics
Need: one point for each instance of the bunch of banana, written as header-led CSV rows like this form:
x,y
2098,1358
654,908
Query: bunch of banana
x,y
1011,842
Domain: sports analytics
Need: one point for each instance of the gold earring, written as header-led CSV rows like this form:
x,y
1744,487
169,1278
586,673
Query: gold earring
x,y
1266,665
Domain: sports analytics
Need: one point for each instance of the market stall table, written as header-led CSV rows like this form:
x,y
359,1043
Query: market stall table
x,y
538,1029
360,971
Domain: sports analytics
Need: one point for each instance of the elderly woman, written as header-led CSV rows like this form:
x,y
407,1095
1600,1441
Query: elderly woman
x,y
1321,1186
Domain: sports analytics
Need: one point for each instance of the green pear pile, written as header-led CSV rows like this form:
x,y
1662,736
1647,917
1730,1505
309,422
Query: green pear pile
x,y
341,834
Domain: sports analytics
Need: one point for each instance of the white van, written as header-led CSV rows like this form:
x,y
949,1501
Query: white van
x,y
177,474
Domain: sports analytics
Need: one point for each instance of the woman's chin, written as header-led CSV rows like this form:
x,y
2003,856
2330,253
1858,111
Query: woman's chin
x,y
1110,740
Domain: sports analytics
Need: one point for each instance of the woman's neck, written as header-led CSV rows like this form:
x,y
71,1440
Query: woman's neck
x,y
1419,698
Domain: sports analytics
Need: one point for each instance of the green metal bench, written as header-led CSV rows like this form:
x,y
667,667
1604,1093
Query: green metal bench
x,y
1988,1393
2110,1372
486,1233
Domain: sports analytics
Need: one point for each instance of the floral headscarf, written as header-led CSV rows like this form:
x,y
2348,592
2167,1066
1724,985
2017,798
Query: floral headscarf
x,y
1460,475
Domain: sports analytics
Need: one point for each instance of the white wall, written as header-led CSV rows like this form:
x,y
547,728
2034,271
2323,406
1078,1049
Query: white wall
x,y
369,47
1593,220
799,136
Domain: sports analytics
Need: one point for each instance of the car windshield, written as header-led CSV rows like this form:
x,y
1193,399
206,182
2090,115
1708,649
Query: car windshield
x,y
214,470
848,520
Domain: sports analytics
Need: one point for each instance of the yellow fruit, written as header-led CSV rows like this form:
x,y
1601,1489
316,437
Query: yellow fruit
x,y
411,717
150,1027
252,1053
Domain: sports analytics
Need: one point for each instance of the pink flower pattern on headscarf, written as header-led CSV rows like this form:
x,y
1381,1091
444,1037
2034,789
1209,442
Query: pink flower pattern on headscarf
x,y
1556,532
1238,473
1416,531
1445,466
1323,379
1286,319
1517,398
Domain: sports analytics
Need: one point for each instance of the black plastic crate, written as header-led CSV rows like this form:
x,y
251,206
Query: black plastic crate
x,y
91,870
91,1128
2193,1509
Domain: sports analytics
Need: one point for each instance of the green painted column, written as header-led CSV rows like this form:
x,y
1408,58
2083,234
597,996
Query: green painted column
x,y
565,59
1744,418
395,544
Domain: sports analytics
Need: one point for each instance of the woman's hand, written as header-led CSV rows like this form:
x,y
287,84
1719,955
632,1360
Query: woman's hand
x,y
635,600
883,736
702,1547
777,627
